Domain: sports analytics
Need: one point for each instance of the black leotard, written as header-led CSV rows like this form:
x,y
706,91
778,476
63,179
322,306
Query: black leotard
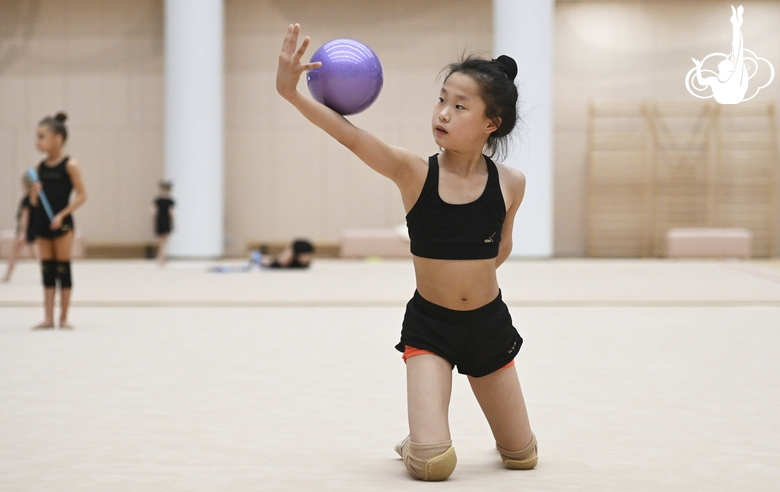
x,y
58,187
162,221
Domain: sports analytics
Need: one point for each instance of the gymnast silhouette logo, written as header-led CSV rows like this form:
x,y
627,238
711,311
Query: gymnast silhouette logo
x,y
730,84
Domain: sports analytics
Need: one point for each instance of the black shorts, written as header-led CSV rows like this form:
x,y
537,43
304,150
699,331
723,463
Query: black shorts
x,y
479,342
43,229
162,226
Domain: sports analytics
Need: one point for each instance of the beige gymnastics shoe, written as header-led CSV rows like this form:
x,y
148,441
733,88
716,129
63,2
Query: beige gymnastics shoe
x,y
525,459
432,462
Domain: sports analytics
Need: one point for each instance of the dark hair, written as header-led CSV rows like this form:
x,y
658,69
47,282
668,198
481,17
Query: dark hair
x,y
302,246
56,124
165,185
496,81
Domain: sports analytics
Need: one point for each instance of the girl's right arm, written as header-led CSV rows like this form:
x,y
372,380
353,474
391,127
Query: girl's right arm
x,y
24,219
396,163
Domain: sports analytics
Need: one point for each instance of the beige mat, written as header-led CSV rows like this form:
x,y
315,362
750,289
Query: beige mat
x,y
626,390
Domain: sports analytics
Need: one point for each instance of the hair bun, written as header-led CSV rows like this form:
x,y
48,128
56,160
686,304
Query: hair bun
x,y
507,65
61,116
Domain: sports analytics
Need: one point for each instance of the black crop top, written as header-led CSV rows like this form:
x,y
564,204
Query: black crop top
x,y
445,231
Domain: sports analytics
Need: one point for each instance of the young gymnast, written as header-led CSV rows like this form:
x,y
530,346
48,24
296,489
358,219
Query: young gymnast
x,y
59,175
25,230
460,208
163,219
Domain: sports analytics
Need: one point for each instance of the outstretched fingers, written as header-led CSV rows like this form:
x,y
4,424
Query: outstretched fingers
x,y
290,39
290,67
292,53
301,51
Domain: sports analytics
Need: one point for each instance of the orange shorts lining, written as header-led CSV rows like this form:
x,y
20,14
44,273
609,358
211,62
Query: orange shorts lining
x,y
410,351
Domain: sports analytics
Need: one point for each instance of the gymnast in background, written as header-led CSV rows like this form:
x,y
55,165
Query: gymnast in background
x,y
296,255
59,177
162,210
25,230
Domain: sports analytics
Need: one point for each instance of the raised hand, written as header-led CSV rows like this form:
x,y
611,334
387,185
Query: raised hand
x,y
290,67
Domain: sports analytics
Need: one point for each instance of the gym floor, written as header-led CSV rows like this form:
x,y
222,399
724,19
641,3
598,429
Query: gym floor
x,y
639,375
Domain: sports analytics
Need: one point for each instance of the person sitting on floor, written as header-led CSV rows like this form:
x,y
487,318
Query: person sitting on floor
x,y
296,255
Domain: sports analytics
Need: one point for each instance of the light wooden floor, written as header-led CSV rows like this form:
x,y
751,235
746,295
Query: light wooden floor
x,y
640,375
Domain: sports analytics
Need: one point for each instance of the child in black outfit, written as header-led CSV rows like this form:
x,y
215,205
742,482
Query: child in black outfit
x,y
163,219
296,255
460,208
59,175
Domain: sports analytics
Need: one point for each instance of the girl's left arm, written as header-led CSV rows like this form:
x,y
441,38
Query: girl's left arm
x,y
513,188
74,171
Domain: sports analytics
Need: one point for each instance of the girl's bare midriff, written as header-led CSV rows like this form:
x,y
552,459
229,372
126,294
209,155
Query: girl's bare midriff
x,y
461,285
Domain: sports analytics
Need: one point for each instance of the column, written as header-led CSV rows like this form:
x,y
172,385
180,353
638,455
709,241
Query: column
x,y
194,125
524,31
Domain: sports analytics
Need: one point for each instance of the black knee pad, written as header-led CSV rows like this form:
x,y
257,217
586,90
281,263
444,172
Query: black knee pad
x,y
63,274
49,273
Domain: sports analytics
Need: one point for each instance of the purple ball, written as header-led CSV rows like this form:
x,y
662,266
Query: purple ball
x,y
350,78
